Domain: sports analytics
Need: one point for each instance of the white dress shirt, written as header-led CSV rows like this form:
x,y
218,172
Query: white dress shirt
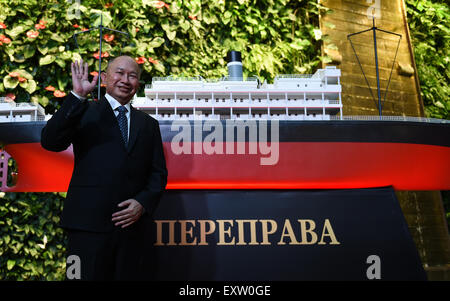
x,y
115,104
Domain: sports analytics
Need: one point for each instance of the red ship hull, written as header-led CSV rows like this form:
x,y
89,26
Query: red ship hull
x,y
314,155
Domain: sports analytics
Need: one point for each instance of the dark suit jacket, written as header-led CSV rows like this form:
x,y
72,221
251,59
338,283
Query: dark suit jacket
x,y
105,172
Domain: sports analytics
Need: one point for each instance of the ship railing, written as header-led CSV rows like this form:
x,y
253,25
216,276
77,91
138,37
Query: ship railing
x,y
242,79
10,102
177,78
25,104
396,118
288,76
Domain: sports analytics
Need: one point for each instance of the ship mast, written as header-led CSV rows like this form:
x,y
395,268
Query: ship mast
x,y
101,28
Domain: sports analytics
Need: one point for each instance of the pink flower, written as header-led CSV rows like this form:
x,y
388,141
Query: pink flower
x,y
59,94
160,4
151,60
39,26
104,54
4,39
140,60
108,37
2,26
14,74
32,34
50,88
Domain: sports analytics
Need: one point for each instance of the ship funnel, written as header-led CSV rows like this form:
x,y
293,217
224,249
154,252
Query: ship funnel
x,y
234,65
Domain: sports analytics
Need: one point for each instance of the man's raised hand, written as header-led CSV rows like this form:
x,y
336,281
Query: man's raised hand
x,y
80,82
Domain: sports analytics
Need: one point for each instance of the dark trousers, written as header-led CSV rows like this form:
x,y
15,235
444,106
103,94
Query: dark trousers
x,y
116,255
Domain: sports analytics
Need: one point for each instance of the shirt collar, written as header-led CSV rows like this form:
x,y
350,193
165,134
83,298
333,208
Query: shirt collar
x,y
115,104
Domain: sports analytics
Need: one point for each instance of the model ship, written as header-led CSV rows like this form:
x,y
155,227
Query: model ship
x,y
241,133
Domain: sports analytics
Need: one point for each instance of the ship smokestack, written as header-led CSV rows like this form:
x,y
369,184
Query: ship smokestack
x,y
234,65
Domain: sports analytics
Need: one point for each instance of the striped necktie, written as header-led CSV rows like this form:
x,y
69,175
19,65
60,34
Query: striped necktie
x,y
123,123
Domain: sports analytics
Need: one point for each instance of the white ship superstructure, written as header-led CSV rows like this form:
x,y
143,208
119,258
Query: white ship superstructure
x,y
11,111
290,97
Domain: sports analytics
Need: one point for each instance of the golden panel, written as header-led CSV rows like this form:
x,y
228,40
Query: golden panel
x,y
423,210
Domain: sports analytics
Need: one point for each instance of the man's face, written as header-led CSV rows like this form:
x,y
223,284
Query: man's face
x,y
122,79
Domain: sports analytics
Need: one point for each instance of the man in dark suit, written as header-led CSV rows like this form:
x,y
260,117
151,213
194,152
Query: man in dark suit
x,y
119,172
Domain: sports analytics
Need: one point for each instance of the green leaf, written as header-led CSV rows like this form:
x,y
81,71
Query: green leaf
x,y
57,37
156,42
48,59
19,57
29,51
98,15
160,67
10,264
185,25
171,34
30,86
42,49
61,63
10,82
43,101
13,33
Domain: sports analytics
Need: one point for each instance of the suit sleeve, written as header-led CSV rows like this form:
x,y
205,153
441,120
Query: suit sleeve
x,y
58,133
157,180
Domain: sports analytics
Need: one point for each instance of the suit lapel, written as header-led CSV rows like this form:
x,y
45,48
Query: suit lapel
x,y
107,112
